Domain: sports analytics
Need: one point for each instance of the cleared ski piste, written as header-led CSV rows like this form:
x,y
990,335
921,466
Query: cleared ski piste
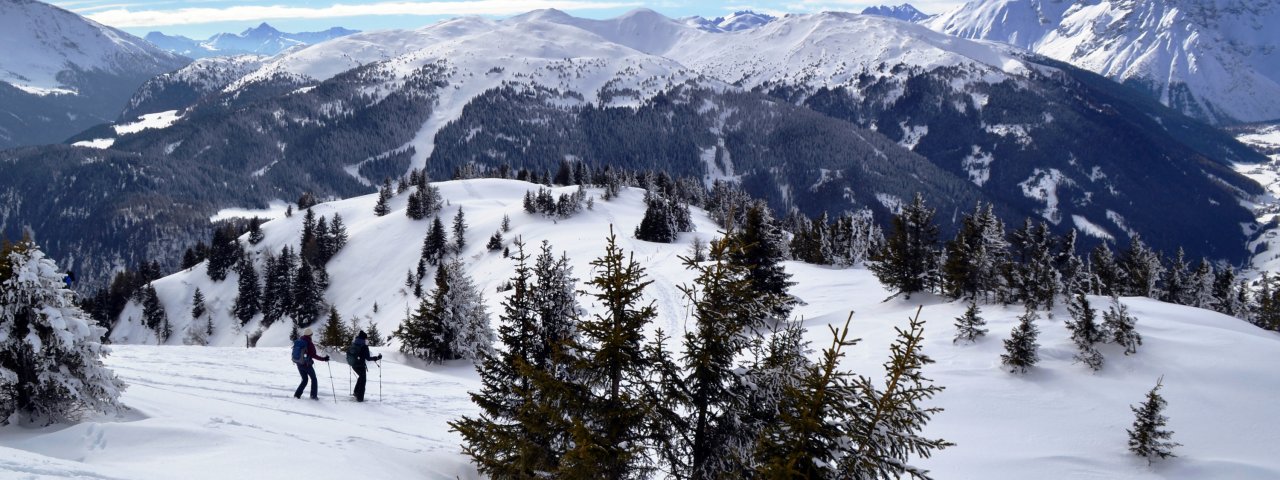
x,y
228,412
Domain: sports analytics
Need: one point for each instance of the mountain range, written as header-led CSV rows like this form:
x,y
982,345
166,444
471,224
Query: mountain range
x,y
1215,60
260,40
62,73
822,112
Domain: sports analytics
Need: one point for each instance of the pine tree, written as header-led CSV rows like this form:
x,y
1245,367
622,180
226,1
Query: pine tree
x,y
383,206
255,231
908,260
153,314
1108,277
308,297
1121,327
976,256
657,224
887,434
248,296
337,234
1031,275
1149,438
1021,349
434,246
758,246
414,208
1085,332
508,439
1142,269
612,365
459,231
1224,295
555,300
1200,291
811,434
197,305
308,248
1177,288
969,325
374,336
495,241
223,252
725,309
506,223
51,367
334,334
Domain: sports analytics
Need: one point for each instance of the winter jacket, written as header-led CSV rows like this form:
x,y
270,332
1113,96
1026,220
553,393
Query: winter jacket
x,y
358,353
311,350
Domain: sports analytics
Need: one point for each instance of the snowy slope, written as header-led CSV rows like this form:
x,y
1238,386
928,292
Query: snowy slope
x,y
480,54
740,20
46,46
195,407
1211,59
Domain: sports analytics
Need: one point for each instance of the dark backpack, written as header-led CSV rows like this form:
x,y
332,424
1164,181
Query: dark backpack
x,y
299,354
352,356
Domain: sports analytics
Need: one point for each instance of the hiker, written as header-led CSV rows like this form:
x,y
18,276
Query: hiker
x,y
356,356
303,352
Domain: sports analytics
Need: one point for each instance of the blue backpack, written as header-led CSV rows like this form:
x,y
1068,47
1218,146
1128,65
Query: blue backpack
x,y
299,354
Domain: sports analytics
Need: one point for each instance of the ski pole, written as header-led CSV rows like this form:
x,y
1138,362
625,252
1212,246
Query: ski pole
x,y
379,364
331,389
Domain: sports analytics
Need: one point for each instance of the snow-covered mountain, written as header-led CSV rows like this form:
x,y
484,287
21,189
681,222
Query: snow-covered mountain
x,y
1215,60
824,112
261,40
905,12
61,73
740,20
998,421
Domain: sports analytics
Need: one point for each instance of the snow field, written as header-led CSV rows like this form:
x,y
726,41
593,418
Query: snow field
x,y
209,412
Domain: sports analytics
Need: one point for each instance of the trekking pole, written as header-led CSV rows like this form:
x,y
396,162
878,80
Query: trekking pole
x,y
349,390
331,389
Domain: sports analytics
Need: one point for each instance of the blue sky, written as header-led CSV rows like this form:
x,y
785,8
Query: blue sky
x,y
201,18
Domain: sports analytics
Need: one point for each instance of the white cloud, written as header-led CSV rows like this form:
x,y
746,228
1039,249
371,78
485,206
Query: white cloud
x,y
124,18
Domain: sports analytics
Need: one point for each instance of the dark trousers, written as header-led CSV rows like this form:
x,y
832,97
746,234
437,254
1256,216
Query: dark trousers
x,y
360,371
306,371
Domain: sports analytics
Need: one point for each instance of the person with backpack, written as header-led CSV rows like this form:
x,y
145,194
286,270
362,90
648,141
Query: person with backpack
x,y
357,354
303,353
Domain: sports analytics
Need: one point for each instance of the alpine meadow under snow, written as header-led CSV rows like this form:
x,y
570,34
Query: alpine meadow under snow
x,y
192,408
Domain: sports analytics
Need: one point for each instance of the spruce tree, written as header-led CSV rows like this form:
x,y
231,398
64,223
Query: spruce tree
x,y
725,309
1121,327
383,206
414,208
1021,349
1149,438
153,314
1108,278
810,437
612,366
334,334
337,234
434,246
197,305
758,247
657,224
1142,269
255,231
969,325
224,250
374,335
555,299
908,260
51,367
508,439
888,432
1085,332
248,295
1177,287
495,241
459,231
308,297
506,223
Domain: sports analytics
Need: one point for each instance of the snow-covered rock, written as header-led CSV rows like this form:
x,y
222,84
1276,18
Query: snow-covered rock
x,y
261,40
1215,60
905,12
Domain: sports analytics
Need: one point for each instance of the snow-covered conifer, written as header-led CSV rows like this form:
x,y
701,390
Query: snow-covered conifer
x,y
908,262
969,325
1149,438
1021,349
383,206
1085,331
1121,327
51,366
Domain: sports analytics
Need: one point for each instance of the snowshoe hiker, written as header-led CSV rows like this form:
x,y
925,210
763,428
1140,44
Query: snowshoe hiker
x,y
357,355
303,353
